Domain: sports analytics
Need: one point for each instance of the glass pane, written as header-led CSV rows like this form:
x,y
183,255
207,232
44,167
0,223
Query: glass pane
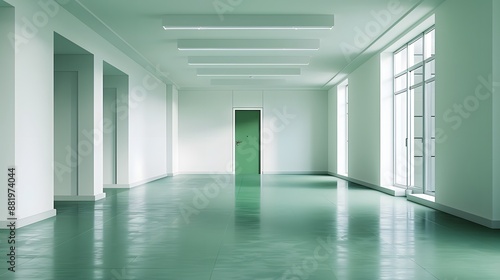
x,y
431,185
418,101
342,131
430,44
433,127
346,128
400,83
416,52
430,70
400,61
433,147
418,171
418,148
401,159
419,127
416,76
431,97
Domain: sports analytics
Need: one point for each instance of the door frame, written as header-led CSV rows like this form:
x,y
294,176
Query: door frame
x,y
233,165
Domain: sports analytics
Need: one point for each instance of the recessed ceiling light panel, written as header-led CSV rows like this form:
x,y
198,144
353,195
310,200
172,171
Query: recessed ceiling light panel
x,y
248,45
279,22
247,82
248,60
247,72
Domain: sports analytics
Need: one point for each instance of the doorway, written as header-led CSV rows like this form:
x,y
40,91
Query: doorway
x,y
67,157
115,127
109,136
247,141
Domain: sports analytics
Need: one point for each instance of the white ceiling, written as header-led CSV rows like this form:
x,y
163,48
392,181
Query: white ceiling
x,y
3,4
136,28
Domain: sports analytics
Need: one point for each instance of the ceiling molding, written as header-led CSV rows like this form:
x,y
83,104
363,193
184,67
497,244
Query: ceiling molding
x,y
412,18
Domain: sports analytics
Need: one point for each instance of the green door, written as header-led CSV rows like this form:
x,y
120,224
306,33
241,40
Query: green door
x,y
247,135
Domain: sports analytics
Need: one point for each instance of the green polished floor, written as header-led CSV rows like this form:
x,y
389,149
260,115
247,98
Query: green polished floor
x,y
250,227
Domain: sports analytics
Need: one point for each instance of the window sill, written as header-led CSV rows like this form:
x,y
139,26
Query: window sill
x,y
423,199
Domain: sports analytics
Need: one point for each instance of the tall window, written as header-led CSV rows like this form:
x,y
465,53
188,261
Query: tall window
x,y
415,113
343,129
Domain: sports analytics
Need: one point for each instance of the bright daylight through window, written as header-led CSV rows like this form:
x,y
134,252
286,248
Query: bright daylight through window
x,y
415,114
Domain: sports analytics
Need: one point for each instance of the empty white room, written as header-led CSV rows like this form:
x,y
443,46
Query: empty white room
x,y
249,139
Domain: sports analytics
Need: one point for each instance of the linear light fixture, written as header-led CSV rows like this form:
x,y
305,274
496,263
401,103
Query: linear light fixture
x,y
248,60
247,21
247,82
248,45
247,72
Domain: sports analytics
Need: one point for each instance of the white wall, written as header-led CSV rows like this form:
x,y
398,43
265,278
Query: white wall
x,y
364,122
34,113
496,110
205,131
247,98
295,130
464,152
34,92
148,136
7,98
370,123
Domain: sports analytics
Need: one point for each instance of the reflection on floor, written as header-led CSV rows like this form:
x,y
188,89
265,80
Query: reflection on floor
x,y
252,227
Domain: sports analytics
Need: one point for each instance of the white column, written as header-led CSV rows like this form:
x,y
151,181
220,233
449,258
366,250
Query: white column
x,y
7,113
172,130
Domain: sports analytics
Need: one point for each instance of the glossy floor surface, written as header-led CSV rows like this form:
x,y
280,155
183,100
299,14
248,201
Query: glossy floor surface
x,y
251,227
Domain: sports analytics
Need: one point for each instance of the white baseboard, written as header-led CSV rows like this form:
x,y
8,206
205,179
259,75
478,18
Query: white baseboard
x,y
136,184
263,173
116,186
493,224
139,183
394,191
296,173
80,197
204,173
429,201
22,222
